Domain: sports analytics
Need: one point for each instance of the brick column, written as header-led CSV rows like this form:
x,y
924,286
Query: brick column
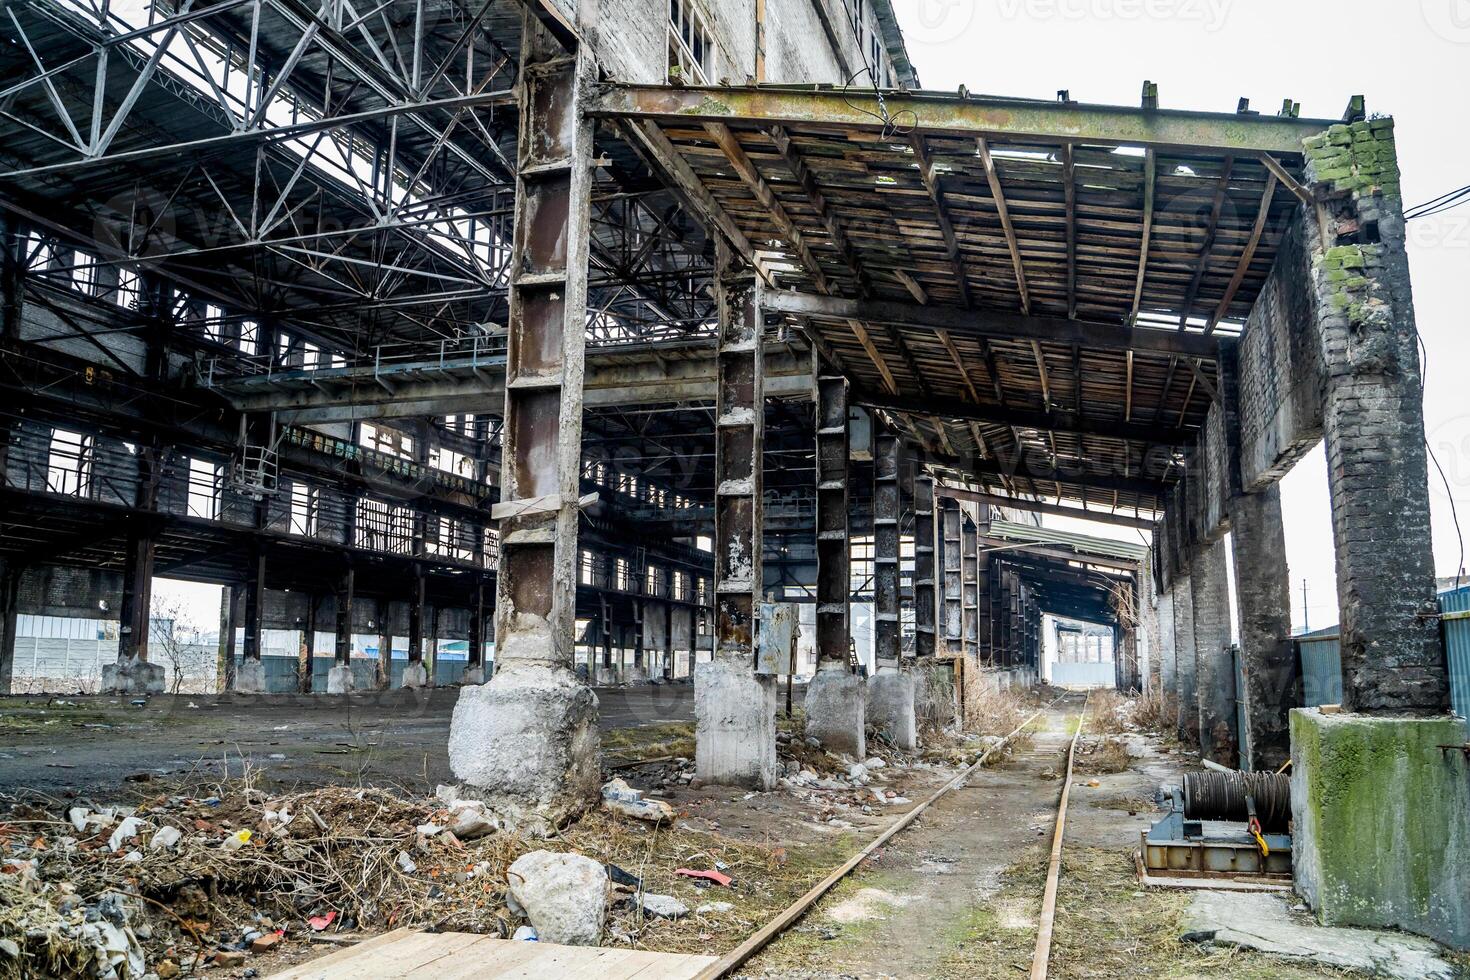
x,y
1263,594
1184,660
1392,658
1215,668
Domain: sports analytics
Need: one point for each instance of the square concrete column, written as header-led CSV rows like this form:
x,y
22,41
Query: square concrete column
x,y
1215,666
416,674
1185,661
734,707
527,742
9,609
474,672
306,666
835,699
1168,666
132,673
250,678
890,707
339,678
1263,594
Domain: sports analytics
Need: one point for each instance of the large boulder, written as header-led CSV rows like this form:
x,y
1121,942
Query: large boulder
x,y
564,896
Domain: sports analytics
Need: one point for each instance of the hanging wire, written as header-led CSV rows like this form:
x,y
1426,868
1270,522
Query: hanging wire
x,y
891,126
1445,202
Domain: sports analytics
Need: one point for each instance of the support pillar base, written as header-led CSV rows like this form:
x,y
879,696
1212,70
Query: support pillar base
x,y
606,676
526,743
415,676
890,707
132,677
636,675
473,677
735,725
835,702
340,680
250,678
1381,817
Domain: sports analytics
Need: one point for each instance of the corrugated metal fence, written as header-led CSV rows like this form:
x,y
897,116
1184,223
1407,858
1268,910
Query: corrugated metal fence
x,y
1321,657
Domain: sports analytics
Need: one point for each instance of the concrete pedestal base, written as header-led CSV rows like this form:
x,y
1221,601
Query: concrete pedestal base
x,y
415,676
132,677
835,702
735,726
473,676
1382,822
249,678
527,744
339,680
606,677
890,708
636,675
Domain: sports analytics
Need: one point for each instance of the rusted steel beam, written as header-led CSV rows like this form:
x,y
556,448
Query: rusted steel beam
x,y
834,575
999,119
887,465
1100,516
739,440
1005,326
924,596
542,440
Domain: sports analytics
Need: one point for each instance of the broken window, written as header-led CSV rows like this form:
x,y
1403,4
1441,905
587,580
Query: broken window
x,y
69,464
205,477
305,509
690,49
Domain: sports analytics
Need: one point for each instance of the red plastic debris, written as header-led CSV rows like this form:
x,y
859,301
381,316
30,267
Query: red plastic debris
x,y
320,922
715,876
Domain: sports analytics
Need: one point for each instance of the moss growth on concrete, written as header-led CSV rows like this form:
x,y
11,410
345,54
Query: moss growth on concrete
x,y
1382,822
1358,158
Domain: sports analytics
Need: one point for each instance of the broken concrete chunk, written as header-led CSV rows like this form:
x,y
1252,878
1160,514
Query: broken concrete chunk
x,y
469,819
619,797
664,906
714,908
564,895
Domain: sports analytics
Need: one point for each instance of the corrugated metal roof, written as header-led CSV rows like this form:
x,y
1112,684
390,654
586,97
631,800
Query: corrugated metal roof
x,y
1082,543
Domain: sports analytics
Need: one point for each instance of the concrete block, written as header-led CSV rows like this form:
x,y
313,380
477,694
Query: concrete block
x,y
734,725
835,710
250,678
415,676
339,680
890,707
473,676
1382,822
526,743
606,676
636,674
132,677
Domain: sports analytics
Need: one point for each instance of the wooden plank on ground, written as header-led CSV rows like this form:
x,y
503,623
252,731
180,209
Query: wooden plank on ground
x,y
408,955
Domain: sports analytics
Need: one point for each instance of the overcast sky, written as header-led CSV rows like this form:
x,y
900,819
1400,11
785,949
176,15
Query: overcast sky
x,y
1411,58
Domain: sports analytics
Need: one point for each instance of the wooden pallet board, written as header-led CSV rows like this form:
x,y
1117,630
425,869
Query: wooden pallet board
x,y
408,955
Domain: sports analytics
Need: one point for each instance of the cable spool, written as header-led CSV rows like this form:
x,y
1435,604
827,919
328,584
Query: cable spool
x,y
1222,796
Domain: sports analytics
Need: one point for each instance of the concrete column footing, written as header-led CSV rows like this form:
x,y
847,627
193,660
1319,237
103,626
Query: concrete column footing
x,y
473,676
526,743
890,707
415,676
133,677
340,680
1381,817
250,678
735,725
835,710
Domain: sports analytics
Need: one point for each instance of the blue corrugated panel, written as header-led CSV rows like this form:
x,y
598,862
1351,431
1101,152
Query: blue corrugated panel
x,y
1321,670
1456,608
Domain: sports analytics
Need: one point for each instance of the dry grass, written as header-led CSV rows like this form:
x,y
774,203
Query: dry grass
x,y
1157,713
1101,756
622,745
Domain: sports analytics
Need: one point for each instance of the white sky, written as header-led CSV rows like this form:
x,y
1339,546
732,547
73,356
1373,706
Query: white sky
x,y
1411,58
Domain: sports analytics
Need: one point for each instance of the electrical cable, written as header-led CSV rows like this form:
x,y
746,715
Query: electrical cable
x,y
890,123
1445,202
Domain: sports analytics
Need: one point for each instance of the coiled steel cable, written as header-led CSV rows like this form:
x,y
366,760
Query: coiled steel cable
x,y
1214,795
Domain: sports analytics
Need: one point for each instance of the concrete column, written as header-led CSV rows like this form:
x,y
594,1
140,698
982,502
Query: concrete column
x,y
1215,670
527,740
9,608
475,658
924,572
339,679
132,674
307,666
835,701
385,645
250,678
415,674
1167,657
969,585
952,561
1263,594
890,707
1185,663
734,707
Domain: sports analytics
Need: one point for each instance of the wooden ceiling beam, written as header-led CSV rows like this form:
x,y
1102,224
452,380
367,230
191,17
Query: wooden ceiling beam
x,y
1247,257
946,226
1150,181
992,176
1217,206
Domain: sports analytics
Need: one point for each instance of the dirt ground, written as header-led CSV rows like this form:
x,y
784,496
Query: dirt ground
x,y
106,747
958,895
